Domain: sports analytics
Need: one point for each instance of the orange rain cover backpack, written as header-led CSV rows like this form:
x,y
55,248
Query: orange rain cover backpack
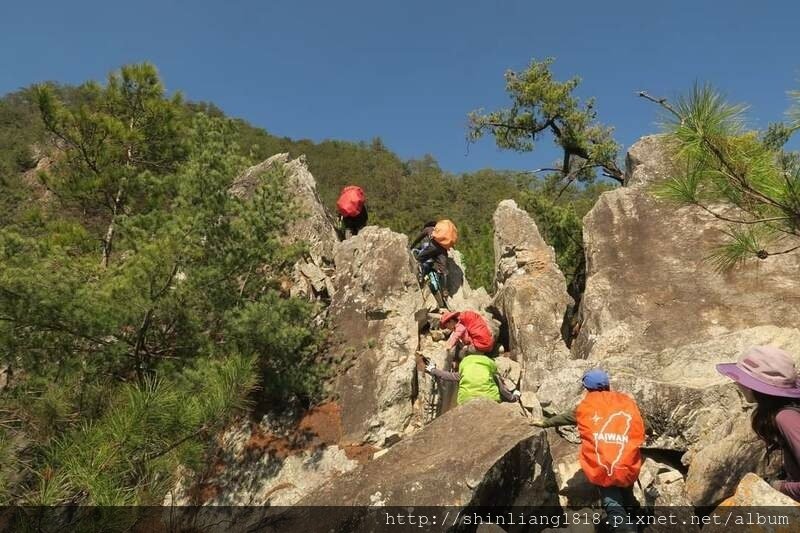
x,y
351,201
612,431
445,233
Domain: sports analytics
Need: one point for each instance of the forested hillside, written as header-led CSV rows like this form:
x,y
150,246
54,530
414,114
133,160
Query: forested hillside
x,y
402,195
132,324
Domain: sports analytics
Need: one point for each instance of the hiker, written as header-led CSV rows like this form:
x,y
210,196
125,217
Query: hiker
x,y
767,377
430,248
477,377
352,209
607,421
469,329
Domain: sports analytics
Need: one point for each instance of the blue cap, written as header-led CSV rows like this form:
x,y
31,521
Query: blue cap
x,y
595,379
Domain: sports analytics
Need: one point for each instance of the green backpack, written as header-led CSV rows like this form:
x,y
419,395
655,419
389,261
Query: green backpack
x,y
477,379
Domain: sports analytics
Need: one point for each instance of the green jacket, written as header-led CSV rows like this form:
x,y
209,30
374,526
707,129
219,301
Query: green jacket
x,y
477,379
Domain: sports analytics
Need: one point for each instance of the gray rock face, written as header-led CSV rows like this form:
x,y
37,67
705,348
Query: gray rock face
x,y
433,397
686,404
374,317
660,485
313,226
574,490
530,293
753,493
716,468
462,296
649,285
481,453
273,462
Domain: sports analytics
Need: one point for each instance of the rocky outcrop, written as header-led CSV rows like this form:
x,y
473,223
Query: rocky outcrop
x,y
687,405
312,226
574,490
481,453
462,296
649,284
755,507
273,462
531,293
432,397
375,316
716,468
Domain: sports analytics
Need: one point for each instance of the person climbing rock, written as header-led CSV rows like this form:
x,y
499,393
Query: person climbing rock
x,y
352,209
767,377
468,328
611,430
430,248
477,377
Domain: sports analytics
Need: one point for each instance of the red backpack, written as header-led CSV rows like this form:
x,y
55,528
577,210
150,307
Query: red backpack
x,y
612,431
351,201
478,330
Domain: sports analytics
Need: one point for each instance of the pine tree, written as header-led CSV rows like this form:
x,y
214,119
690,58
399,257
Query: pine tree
x,y
132,355
742,177
542,105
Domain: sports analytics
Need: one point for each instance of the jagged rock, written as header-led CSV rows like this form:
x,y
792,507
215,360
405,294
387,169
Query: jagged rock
x,y
755,507
481,453
313,225
648,160
272,463
531,293
509,370
661,485
753,491
649,284
433,397
686,404
715,469
462,296
530,403
574,490
310,281
375,315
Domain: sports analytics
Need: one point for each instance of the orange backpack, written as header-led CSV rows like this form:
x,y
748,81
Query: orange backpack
x,y
612,431
351,201
445,233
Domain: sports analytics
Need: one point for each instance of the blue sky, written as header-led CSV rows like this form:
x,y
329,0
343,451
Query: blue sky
x,y
410,71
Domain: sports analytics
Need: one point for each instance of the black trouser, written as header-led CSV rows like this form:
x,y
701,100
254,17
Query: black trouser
x,y
434,254
356,223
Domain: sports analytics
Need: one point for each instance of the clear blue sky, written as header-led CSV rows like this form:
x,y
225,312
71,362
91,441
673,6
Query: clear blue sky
x,y
410,71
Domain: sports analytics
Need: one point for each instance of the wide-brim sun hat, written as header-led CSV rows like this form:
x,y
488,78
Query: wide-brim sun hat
x,y
764,369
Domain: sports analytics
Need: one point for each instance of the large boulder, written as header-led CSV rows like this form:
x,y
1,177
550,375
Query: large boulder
x,y
479,454
686,404
374,316
755,507
531,293
649,284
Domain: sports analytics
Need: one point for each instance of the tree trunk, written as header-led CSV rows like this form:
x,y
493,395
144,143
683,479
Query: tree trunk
x,y
109,238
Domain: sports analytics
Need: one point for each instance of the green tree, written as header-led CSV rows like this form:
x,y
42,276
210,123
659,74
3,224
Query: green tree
x,y
742,177
541,105
132,363
116,144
